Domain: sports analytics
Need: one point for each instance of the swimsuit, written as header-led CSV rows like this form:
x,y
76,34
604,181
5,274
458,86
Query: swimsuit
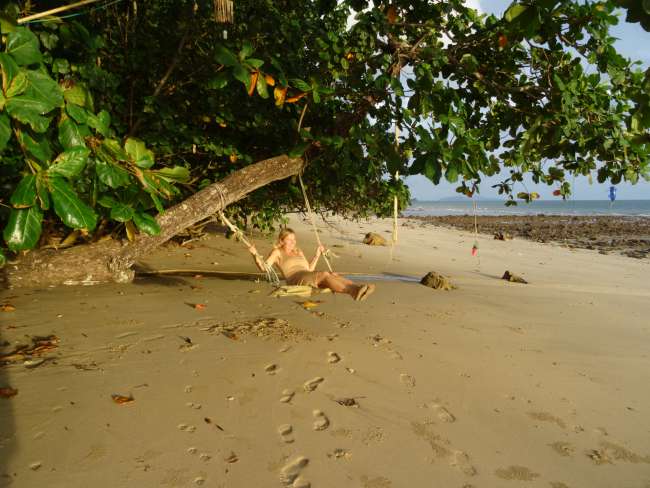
x,y
296,270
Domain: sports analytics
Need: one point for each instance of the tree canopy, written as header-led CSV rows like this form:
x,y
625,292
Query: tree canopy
x,y
112,113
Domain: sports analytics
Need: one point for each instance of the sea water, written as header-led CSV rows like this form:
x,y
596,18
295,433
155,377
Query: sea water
x,y
639,208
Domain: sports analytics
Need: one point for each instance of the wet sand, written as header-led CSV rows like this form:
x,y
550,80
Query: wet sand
x,y
181,381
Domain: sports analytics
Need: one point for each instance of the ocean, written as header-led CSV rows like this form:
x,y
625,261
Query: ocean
x,y
639,208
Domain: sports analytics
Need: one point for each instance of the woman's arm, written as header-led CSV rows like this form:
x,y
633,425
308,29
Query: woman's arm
x,y
319,251
269,261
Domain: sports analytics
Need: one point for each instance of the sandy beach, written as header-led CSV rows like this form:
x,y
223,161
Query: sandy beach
x,y
182,381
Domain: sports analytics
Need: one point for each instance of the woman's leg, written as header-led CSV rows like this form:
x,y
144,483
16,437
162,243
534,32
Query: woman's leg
x,y
338,284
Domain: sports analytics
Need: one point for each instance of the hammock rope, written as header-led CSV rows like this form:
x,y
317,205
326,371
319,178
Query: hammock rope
x,y
475,245
271,276
313,224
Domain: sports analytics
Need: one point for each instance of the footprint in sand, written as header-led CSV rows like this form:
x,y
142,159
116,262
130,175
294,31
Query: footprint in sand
x,y
271,369
287,396
443,414
407,380
286,433
321,422
301,483
291,471
460,460
186,428
521,473
563,448
333,357
313,383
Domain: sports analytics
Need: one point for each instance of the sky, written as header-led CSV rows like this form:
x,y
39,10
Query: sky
x,y
634,43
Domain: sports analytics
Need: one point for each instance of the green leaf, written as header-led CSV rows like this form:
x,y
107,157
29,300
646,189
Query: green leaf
x,y
3,259
40,97
76,95
72,135
37,145
17,85
42,190
5,131
154,184
469,62
23,46
71,210
255,63
25,193
224,56
432,170
7,23
242,74
299,150
9,70
121,212
100,122
60,66
107,201
452,173
514,11
113,150
71,162
111,174
218,82
156,201
146,223
23,228
177,173
246,50
300,85
261,86
77,112
142,157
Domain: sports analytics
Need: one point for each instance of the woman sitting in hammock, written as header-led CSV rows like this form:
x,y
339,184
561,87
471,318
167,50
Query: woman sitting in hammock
x,y
298,271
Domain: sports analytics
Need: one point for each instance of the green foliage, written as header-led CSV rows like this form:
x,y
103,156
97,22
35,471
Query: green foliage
x,y
120,112
23,228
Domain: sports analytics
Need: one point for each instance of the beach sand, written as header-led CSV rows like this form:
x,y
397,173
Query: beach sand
x,y
493,384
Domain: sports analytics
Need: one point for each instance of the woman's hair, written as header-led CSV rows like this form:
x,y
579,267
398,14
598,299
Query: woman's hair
x,y
283,235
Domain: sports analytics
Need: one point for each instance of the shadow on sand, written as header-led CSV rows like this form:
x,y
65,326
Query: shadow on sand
x,y
7,426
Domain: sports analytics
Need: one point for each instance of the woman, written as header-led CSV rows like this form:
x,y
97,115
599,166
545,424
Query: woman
x,y
298,271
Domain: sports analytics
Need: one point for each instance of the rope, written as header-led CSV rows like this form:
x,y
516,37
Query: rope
x,y
475,246
271,275
37,18
311,219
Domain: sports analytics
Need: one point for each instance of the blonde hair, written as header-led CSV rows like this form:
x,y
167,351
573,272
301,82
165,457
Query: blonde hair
x,y
284,233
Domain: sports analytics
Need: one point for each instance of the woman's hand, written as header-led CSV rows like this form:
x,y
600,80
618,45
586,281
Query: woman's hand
x,y
320,250
252,250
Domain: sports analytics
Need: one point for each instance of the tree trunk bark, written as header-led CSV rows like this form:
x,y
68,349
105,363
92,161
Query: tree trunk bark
x,y
111,261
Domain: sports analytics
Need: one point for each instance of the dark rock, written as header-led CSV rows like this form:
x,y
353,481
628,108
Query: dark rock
x,y
373,239
513,278
436,281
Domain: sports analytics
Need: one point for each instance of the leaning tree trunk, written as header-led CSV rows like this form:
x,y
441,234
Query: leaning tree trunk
x,y
111,261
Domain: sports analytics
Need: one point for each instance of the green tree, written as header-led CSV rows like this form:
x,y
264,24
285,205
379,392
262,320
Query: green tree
x,y
118,113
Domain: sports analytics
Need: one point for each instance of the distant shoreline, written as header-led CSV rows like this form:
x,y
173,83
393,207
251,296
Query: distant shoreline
x,y
538,207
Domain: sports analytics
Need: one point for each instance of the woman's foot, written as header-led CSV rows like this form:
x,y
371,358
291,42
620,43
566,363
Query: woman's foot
x,y
364,292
